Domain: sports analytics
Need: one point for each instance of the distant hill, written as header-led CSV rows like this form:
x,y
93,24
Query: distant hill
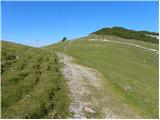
x,y
130,34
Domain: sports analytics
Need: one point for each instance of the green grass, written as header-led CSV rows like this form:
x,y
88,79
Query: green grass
x,y
32,84
130,73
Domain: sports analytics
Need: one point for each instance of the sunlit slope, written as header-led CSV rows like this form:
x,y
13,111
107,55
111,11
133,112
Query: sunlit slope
x,y
130,34
32,85
130,72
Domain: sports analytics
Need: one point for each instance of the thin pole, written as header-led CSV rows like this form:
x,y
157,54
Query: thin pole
x,y
37,43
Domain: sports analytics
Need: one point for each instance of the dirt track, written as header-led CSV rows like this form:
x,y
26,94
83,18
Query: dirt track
x,y
87,93
130,44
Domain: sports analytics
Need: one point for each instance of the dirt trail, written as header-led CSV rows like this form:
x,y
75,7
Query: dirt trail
x,y
88,97
130,44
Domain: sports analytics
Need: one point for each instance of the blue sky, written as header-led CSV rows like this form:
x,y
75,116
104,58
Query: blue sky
x,y
25,22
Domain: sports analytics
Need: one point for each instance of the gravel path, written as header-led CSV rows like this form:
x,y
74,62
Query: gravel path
x,y
87,93
84,84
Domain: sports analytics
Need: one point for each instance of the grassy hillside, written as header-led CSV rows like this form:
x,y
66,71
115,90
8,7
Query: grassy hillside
x,y
126,33
32,85
130,73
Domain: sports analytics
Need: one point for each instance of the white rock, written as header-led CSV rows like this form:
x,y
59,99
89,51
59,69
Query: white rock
x,y
90,110
28,96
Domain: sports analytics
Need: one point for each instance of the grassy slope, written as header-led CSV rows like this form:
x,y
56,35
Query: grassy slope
x,y
32,85
130,73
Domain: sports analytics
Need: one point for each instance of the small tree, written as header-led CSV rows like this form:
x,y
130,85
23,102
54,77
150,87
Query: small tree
x,y
64,39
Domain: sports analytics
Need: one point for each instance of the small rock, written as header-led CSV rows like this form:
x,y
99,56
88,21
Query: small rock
x,y
88,109
17,57
127,88
11,69
28,96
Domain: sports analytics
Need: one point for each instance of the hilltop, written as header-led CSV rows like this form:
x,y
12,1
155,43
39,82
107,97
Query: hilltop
x,y
129,34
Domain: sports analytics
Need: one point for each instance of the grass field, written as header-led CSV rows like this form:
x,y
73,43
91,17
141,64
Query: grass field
x,y
32,85
131,73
